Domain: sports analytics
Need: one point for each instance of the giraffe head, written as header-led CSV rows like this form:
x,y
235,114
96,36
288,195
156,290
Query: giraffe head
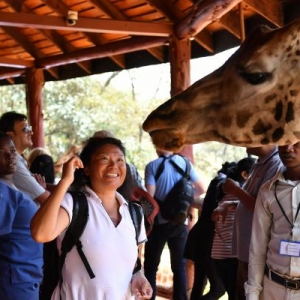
x,y
252,100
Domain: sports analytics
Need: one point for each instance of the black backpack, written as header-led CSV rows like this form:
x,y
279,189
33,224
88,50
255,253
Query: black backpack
x,y
53,263
175,207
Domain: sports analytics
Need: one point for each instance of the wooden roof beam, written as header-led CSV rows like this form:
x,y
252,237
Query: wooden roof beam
x,y
120,47
231,22
11,72
167,9
157,52
16,63
110,10
270,10
86,24
203,14
204,38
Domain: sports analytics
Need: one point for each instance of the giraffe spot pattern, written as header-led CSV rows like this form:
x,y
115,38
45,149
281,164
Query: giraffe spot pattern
x,y
269,98
278,111
294,62
243,118
277,134
264,141
260,128
290,112
225,121
293,93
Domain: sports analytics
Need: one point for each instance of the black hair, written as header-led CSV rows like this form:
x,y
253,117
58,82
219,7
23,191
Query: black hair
x,y
3,135
8,119
227,166
43,164
90,147
245,164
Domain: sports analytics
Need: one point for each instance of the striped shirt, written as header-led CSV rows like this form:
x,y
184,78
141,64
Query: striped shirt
x,y
222,244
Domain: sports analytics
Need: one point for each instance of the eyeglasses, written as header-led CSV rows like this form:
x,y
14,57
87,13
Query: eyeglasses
x,y
27,129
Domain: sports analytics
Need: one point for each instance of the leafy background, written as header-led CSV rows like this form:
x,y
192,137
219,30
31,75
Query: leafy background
x,y
74,109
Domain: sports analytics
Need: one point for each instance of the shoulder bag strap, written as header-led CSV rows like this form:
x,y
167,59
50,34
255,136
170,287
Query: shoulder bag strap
x,y
136,214
185,173
160,168
74,232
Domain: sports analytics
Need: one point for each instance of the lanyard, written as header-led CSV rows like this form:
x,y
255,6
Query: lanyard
x,y
286,217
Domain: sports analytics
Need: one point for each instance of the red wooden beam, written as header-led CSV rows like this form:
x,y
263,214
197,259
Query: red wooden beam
x,y
203,14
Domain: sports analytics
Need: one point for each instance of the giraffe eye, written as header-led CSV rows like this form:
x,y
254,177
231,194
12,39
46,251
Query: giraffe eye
x,y
255,78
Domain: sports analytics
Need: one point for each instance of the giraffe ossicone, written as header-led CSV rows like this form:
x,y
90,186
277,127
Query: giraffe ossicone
x,y
252,100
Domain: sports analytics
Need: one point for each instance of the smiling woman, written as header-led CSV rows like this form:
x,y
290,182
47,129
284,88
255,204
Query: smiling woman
x,y
109,240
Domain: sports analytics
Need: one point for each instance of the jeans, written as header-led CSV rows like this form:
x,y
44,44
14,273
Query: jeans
x,y
175,236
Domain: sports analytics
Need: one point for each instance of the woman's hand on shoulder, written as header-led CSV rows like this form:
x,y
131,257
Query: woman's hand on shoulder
x,y
140,286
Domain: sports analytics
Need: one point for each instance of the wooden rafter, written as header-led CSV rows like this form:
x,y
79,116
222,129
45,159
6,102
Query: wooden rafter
x,y
85,24
120,47
204,39
231,22
203,14
271,10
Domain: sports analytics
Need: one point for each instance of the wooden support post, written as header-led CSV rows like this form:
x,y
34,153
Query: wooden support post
x,y
180,56
34,85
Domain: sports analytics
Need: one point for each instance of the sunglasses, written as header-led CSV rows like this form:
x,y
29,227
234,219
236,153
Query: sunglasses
x,y
27,129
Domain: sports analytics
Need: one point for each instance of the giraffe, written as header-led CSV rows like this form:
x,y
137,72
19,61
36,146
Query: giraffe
x,y
252,100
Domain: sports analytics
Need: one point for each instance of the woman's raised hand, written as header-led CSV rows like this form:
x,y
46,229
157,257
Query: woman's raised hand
x,y
69,168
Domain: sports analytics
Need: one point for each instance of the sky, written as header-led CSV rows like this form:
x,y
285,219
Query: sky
x,y
154,81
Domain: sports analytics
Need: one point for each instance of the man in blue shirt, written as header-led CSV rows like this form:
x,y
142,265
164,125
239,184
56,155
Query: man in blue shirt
x,y
163,232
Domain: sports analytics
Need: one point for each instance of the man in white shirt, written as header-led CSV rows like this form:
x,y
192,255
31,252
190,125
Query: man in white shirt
x,y
16,126
274,258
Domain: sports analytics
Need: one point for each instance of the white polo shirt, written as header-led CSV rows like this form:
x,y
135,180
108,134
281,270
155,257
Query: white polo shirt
x,y
111,252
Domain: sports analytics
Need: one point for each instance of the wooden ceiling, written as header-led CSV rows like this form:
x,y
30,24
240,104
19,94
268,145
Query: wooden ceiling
x,y
112,35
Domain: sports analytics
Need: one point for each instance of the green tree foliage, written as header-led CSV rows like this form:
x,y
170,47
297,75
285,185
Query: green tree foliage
x,y
75,109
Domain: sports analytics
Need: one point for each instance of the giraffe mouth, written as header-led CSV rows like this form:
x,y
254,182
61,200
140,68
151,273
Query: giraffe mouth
x,y
167,139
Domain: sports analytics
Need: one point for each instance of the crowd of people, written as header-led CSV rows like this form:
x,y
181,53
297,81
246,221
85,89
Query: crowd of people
x,y
246,241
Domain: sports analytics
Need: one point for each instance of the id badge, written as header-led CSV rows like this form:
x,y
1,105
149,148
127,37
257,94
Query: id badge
x,y
290,248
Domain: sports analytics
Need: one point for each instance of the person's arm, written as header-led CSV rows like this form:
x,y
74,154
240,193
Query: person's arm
x,y
230,187
222,210
198,203
260,238
28,184
151,189
51,219
200,188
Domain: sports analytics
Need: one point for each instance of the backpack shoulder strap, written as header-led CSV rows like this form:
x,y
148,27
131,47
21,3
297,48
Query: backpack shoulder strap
x,y
185,173
136,213
160,168
75,230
